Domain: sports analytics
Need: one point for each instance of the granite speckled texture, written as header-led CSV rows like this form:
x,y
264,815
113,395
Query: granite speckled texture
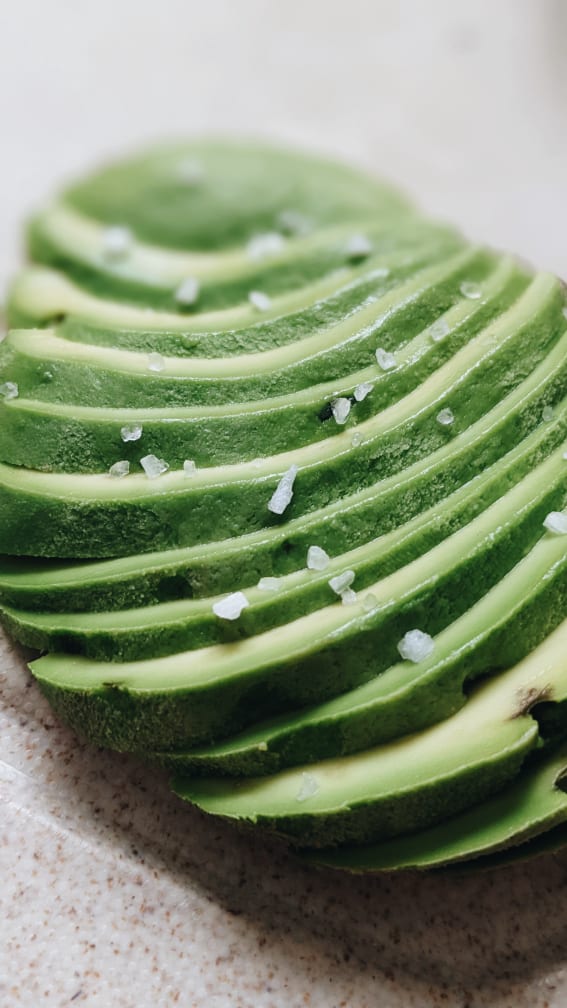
x,y
114,894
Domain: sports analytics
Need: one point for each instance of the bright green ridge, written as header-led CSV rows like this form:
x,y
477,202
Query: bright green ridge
x,y
408,784
530,814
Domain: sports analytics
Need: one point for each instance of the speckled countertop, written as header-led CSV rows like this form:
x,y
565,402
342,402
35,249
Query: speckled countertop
x,y
113,894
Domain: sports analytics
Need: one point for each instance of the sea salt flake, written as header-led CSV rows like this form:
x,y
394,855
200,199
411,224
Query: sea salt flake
x,y
156,362
230,607
386,360
317,558
283,493
340,409
309,787
259,300
188,291
116,242
348,596
262,246
556,522
270,584
119,469
189,467
369,602
439,330
470,290
445,417
362,390
131,432
359,246
153,466
547,414
9,390
416,645
341,582
293,222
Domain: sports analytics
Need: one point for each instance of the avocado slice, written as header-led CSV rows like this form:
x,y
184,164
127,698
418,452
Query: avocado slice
x,y
528,818
406,785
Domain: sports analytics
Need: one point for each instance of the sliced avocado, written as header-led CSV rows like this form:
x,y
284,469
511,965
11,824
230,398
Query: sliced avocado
x,y
66,437
409,784
528,818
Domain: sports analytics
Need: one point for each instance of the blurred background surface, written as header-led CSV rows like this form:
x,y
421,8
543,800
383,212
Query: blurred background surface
x,y
113,894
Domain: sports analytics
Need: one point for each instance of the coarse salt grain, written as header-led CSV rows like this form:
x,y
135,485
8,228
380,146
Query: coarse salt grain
x,y
188,291
156,362
385,360
445,417
294,223
416,645
230,607
358,246
262,246
153,466
189,467
269,584
556,522
348,596
283,493
133,432
259,300
470,290
439,330
362,390
119,469
317,558
356,439
340,409
547,413
9,390
116,242
369,602
309,787
341,582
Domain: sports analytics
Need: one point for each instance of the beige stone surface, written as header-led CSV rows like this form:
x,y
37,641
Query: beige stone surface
x,y
112,893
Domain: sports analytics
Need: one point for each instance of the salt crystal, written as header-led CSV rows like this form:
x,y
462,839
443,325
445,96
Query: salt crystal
x,y
348,596
262,746
362,390
188,291
356,439
132,432
369,602
269,584
439,330
9,390
416,645
260,301
229,608
116,242
189,467
262,246
341,582
119,469
190,171
156,362
294,223
547,413
556,522
358,246
283,493
386,360
470,290
445,417
340,409
153,466
317,558
309,787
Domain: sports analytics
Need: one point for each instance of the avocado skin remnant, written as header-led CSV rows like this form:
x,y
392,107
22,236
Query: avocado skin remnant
x,y
225,359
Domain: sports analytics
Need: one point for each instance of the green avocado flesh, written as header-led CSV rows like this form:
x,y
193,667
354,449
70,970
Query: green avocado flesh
x,y
283,503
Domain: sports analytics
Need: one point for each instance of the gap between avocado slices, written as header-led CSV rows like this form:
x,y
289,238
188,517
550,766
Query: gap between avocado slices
x,y
526,819
406,785
127,635
220,566
54,436
88,512
176,701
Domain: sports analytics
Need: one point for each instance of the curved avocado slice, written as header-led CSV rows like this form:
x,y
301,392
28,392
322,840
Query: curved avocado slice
x,y
526,819
409,784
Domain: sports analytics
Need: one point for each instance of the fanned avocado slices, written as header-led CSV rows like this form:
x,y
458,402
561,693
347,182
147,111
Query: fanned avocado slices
x,y
283,501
